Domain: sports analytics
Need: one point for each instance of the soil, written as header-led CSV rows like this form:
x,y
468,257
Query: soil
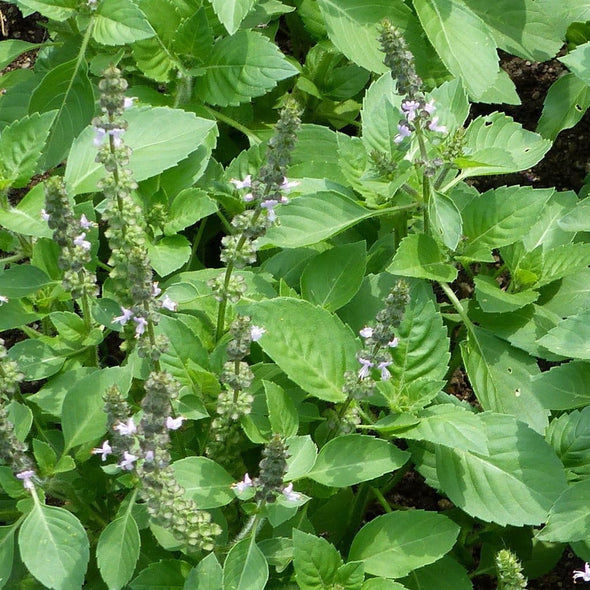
x,y
564,167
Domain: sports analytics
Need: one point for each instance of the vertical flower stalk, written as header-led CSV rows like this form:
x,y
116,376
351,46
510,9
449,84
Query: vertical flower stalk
x,y
509,570
266,192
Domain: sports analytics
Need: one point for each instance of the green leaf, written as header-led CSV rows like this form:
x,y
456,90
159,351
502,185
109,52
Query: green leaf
x,y
531,29
572,295
66,89
208,575
242,67
22,418
282,412
569,519
492,299
445,220
495,144
188,207
169,254
10,49
232,12
22,280
569,337
83,416
564,387
204,481
316,561
351,575
351,459
179,131
26,218
313,347
45,456
418,255
154,59
302,456
58,10
245,567
6,553
462,40
500,217
502,90
62,562
394,544
35,359
310,219
117,551
577,62
501,377
444,574
168,574
333,277
382,584
118,22
566,101
520,466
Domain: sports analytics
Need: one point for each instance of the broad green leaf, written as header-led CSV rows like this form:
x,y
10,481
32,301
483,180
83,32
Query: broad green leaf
x,y
14,315
117,551
83,417
54,547
572,295
14,103
503,90
154,59
566,101
45,456
520,466
188,207
570,337
418,255
495,144
313,347
577,219
451,102
204,481
445,220
168,574
323,142
21,416
169,254
382,584
462,41
351,575
492,299
316,561
21,144
6,553
118,22
58,10
245,567
394,544
194,37
282,413
500,217
310,219
351,459
501,377
333,277
232,12
66,89
564,387
241,67
569,435
22,280
26,218
207,575
35,359
569,518
10,49
577,62
444,574
531,29
302,455
180,132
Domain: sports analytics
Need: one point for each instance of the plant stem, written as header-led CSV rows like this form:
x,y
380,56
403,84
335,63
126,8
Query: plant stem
x,y
253,138
457,305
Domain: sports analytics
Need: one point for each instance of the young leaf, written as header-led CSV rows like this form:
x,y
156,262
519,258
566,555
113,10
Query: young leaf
x,y
570,337
462,41
351,459
117,551
232,12
62,563
316,561
118,22
445,220
188,207
203,480
394,544
444,574
26,218
564,387
240,68
313,347
577,62
302,456
58,10
245,567
282,412
492,299
333,277
169,254
520,466
166,573
207,575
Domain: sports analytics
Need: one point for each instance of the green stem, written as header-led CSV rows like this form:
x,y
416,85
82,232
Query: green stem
x,y
458,306
196,242
455,181
381,499
14,258
254,139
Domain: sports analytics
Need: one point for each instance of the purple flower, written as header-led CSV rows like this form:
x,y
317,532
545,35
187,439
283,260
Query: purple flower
x,y
385,374
124,318
116,135
270,205
365,369
287,185
174,423
256,333
429,107
140,327
290,495
410,108
126,429
156,289
242,486
99,135
393,343
128,460
366,332
248,197
129,101
44,215
104,451
246,183
26,477
81,242
85,223
404,131
434,126
578,575
168,304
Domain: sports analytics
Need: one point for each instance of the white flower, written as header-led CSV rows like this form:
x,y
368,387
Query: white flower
x,y
156,289
81,242
149,456
44,215
128,460
434,126
174,423
116,135
167,303
104,451
290,495
248,197
393,343
578,575
429,107
99,135
246,183
129,101
385,374
366,367
26,477
256,333
242,486
140,327
366,332
126,429
124,318
3,299
270,205
404,131
85,223
409,107
287,185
